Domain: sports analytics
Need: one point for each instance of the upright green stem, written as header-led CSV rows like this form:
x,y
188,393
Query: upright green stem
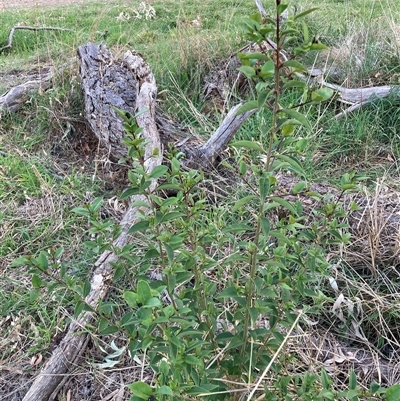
x,y
250,284
277,89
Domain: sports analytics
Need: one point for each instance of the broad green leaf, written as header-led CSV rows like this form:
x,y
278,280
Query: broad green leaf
x,y
141,390
261,98
295,164
96,204
254,56
36,281
170,252
242,202
295,84
237,228
143,292
248,145
297,116
140,226
299,187
81,211
129,192
192,360
264,187
158,171
296,65
393,393
168,186
325,379
249,106
322,94
287,130
131,298
21,261
352,380
171,216
281,8
305,32
284,203
164,390
86,288
229,292
265,225
318,46
304,13
42,261
248,71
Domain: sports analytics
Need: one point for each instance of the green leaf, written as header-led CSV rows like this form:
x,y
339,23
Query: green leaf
x,y
295,164
264,186
131,298
141,390
295,84
322,94
248,145
36,281
306,37
110,330
287,130
281,8
21,261
248,71
229,292
393,393
284,203
192,360
304,13
171,216
326,381
296,66
82,211
170,252
86,288
265,225
352,380
242,202
249,106
140,226
262,98
297,116
374,387
42,261
299,187
254,56
143,292
237,228
318,46
129,192
158,171
164,390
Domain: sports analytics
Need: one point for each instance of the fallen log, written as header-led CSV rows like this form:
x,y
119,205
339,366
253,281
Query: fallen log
x,y
74,341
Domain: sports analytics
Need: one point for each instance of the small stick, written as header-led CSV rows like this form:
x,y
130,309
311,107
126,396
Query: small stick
x,y
29,28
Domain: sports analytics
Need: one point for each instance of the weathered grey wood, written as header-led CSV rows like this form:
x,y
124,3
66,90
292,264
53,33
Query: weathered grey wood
x,y
16,97
106,82
74,341
220,139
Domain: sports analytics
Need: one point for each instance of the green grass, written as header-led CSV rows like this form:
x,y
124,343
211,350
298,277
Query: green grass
x,y
45,172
